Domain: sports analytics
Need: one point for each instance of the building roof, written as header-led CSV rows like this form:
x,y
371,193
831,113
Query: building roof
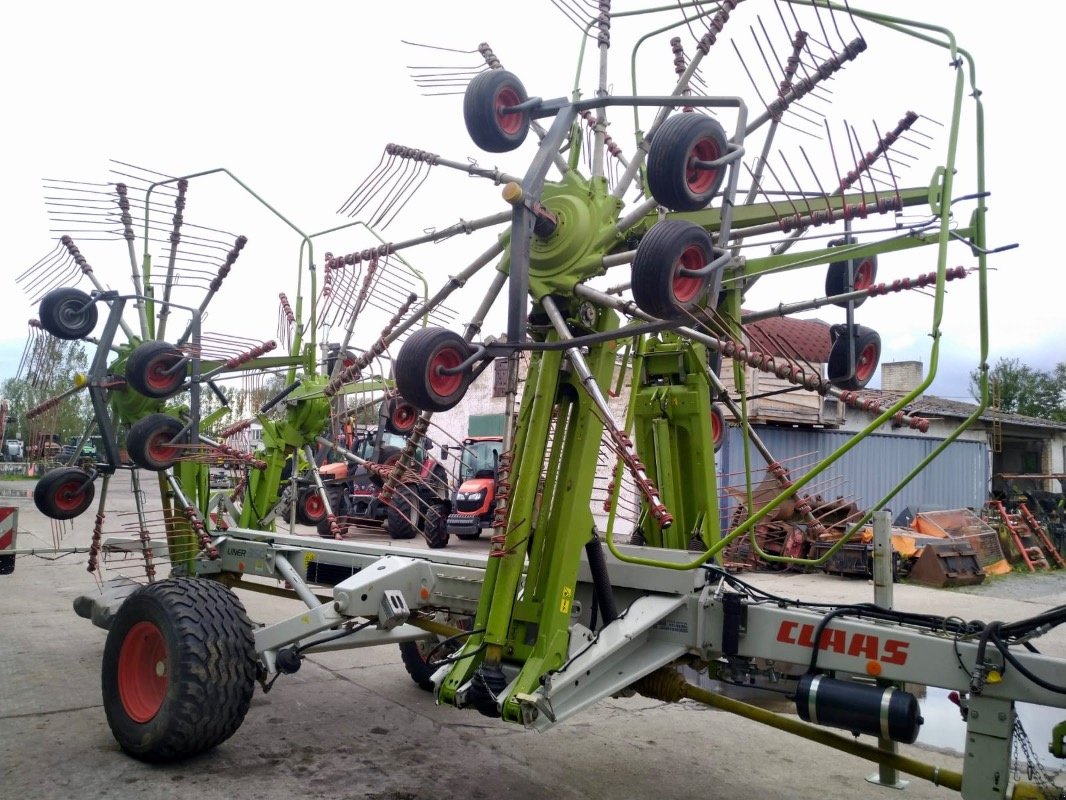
x,y
931,406
789,337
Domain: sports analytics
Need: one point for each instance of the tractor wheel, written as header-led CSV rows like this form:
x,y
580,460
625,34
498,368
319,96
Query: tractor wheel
x,y
435,524
400,416
667,248
149,442
863,277
310,510
64,492
416,655
388,457
840,371
68,313
178,670
490,128
404,517
673,178
338,501
420,364
155,369
473,534
717,427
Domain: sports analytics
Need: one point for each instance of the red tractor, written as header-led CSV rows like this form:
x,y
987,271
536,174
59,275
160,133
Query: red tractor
x,y
475,497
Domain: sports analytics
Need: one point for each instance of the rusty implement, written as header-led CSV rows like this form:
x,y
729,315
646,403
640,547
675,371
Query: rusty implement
x,y
947,564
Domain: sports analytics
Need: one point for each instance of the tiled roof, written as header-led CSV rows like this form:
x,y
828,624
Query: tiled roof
x,y
801,339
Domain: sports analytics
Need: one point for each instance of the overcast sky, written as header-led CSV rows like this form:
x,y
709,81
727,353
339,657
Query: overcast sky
x,y
298,101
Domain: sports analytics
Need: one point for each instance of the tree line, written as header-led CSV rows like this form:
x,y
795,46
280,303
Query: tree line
x,y
1017,388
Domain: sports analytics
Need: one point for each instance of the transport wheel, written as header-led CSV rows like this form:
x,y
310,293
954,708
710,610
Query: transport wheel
x,y
717,427
403,517
178,670
863,277
420,364
667,248
400,416
68,313
310,510
416,655
149,442
152,369
673,178
64,492
486,96
840,371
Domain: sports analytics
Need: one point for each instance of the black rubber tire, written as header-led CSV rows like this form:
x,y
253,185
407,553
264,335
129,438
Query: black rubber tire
x,y
7,564
415,655
836,278
718,427
147,442
435,525
310,510
68,313
389,455
664,250
840,372
403,519
199,631
425,352
474,534
338,502
679,140
64,492
400,416
148,369
485,95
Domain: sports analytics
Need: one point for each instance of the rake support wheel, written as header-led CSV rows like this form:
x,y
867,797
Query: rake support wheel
x,y
68,313
864,275
155,369
489,127
64,492
423,367
841,371
400,416
178,669
149,442
658,285
674,179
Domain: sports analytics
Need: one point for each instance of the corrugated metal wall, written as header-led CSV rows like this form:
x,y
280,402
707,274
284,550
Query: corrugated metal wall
x,y
957,478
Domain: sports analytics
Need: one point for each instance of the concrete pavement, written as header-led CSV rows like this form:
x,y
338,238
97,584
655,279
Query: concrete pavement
x,y
353,725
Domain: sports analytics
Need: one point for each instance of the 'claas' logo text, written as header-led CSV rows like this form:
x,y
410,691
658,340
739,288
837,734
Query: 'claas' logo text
x,y
835,640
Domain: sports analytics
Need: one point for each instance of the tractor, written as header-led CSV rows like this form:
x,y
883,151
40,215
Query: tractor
x,y
475,494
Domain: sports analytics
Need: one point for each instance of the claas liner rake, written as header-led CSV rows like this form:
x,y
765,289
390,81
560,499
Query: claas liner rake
x,y
628,276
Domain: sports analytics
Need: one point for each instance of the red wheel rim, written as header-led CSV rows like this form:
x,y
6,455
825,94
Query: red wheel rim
x,y
403,416
511,122
313,505
142,672
699,180
864,275
866,363
68,496
686,287
441,384
716,427
160,450
157,375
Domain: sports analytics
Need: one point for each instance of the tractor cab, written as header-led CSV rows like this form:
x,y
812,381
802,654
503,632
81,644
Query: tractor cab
x,y
475,497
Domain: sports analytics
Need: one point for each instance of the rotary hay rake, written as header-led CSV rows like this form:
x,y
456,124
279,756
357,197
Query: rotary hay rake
x,y
618,390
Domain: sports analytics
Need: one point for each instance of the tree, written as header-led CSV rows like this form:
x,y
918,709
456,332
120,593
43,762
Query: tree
x,y
1020,389
51,367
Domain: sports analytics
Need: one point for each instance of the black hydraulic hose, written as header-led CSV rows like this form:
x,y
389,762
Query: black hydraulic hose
x,y
273,401
601,581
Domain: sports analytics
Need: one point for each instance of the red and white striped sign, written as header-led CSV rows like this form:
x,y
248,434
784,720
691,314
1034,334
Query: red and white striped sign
x,y
9,518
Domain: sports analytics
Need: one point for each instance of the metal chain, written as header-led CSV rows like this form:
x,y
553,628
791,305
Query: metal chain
x,y
1035,770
